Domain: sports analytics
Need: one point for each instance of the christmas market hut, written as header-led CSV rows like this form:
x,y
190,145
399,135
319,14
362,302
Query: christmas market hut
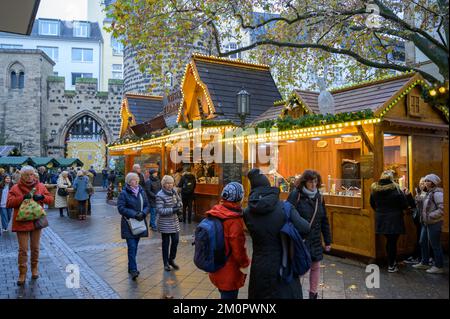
x,y
397,123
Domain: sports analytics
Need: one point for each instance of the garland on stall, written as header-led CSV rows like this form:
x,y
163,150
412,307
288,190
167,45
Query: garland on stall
x,y
437,97
289,123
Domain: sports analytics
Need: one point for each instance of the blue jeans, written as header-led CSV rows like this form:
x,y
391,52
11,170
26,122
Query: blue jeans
x,y
6,216
132,244
105,183
431,236
153,217
166,239
232,294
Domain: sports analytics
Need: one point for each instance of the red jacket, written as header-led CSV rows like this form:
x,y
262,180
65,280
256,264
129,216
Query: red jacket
x,y
15,198
230,277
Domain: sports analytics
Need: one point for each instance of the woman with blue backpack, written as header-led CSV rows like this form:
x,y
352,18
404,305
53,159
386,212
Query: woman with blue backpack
x,y
265,217
230,278
308,201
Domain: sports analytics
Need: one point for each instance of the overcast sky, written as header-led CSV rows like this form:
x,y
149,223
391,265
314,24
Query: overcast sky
x,y
63,9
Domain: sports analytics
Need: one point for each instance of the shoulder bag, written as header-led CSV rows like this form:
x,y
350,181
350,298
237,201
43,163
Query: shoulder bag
x,y
137,227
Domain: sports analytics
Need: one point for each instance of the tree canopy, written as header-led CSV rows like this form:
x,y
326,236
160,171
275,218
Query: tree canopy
x,y
299,36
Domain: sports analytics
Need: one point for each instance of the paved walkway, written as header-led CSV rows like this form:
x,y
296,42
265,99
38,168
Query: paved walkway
x,y
100,254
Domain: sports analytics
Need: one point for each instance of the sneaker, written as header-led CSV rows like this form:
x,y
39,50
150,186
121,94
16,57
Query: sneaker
x,y
393,268
174,265
134,275
166,267
411,260
5,230
435,270
420,266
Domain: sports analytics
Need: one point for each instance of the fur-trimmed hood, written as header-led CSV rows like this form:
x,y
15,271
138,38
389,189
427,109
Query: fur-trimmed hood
x,y
383,185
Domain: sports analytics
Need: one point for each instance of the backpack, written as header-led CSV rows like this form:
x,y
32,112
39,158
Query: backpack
x,y
209,244
188,186
296,259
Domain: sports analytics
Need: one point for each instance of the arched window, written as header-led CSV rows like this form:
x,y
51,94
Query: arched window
x,y
13,80
169,80
21,80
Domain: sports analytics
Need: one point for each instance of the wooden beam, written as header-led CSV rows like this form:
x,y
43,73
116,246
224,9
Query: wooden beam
x,y
365,138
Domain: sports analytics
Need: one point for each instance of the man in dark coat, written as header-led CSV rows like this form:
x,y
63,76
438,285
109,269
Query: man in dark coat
x,y
137,169
264,218
152,187
187,185
389,202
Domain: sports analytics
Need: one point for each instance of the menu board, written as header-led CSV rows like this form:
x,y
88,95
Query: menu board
x,y
366,166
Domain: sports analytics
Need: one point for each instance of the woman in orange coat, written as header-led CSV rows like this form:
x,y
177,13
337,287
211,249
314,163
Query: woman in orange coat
x,y
26,230
230,278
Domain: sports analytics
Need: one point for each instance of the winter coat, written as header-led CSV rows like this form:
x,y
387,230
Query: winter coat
x,y
167,221
61,201
141,179
80,184
128,206
229,277
320,226
15,199
433,206
187,177
7,188
152,187
389,202
264,218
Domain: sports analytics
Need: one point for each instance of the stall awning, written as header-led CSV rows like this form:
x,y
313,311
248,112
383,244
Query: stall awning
x,y
18,16
14,160
66,162
416,124
44,161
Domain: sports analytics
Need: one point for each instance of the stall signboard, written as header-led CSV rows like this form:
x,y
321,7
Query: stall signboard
x,y
366,166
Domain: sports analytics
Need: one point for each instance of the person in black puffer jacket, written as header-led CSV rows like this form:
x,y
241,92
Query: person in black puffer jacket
x,y
264,218
152,187
389,202
305,198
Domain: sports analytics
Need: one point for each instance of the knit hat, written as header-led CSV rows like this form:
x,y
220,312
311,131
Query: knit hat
x,y
152,171
233,192
257,179
433,178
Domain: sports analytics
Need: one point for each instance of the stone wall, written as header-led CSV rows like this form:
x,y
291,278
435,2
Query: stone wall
x,y
21,109
65,107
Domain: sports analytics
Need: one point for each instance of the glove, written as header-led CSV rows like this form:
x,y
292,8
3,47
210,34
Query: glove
x,y
177,210
27,196
140,216
38,197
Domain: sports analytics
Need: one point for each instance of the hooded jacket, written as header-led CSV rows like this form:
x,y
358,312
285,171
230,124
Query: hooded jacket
x,y
229,277
264,218
433,206
389,202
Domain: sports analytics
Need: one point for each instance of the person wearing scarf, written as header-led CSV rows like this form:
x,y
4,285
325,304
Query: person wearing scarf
x,y
230,278
26,230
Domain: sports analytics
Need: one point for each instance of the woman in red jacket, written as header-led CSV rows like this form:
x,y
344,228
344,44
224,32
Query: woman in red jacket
x,y
230,278
26,230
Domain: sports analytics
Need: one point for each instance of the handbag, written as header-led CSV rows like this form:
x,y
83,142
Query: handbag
x,y
30,210
41,222
137,227
62,192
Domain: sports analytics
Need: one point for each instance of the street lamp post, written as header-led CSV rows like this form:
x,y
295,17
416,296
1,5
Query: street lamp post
x,y
243,105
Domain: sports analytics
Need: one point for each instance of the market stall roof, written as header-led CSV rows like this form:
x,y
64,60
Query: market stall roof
x,y
5,150
15,160
65,162
43,161
143,107
224,78
155,124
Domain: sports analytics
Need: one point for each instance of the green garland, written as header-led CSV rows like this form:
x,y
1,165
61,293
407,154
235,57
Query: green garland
x,y
309,120
439,101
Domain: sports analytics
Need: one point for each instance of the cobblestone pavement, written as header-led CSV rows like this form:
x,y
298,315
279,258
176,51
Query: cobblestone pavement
x,y
96,248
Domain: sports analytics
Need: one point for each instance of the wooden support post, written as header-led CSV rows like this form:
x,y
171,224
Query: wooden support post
x,y
365,138
163,160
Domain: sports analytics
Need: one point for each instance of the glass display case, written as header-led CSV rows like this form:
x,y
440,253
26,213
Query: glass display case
x,y
342,187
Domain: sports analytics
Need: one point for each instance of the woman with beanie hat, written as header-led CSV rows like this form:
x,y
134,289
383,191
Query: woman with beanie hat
x,y
229,278
389,202
264,218
432,220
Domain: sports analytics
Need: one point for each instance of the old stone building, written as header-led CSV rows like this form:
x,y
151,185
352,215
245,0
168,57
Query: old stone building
x,y
40,116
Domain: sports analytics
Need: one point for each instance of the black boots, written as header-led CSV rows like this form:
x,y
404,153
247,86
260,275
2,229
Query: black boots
x,y
174,265
166,267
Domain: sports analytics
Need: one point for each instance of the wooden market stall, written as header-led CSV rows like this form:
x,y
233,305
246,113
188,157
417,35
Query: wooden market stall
x,y
400,132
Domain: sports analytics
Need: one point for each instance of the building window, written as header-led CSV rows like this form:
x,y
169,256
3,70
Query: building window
x,y
13,80
168,80
52,52
47,27
16,76
117,46
117,71
414,105
82,55
21,80
81,29
75,76
10,46
231,47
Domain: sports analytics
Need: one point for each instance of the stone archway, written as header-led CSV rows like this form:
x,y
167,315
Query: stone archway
x,y
85,136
